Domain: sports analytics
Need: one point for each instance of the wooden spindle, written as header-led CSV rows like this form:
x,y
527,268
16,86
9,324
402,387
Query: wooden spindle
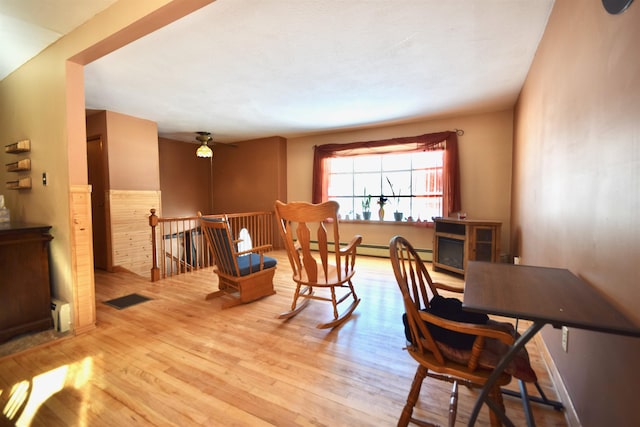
x,y
153,222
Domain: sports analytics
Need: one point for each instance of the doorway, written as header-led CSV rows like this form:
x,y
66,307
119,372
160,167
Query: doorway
x,y
97,177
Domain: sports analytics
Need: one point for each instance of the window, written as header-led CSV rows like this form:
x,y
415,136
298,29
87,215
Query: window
x,y
416,179
423,170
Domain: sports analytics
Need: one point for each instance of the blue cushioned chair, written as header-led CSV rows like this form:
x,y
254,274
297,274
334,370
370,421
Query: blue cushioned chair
x,y
243,276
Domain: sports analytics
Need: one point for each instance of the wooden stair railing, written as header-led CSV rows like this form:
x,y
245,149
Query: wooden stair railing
x,y
179,247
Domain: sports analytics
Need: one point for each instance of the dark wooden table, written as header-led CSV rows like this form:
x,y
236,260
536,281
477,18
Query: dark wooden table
x,y
542,295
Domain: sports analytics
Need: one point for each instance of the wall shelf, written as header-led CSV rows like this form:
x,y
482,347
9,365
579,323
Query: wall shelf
x,y
18,147
20,184
19,166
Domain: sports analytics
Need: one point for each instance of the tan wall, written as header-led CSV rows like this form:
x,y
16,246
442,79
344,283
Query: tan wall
x,y
132,147
185,180
485,163
577,190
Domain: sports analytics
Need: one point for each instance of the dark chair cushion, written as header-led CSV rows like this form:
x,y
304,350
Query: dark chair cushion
x,y
451,309
250,263
494,350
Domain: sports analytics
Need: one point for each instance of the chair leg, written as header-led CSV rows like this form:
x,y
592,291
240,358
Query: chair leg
x,y
412,399
334,302
453,404
353,291
496,395
296,308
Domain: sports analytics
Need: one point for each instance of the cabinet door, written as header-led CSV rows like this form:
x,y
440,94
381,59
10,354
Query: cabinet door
x,y
483,244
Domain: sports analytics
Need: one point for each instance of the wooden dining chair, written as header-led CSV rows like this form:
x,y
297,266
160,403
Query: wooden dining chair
x,y
448,343
243,276
317,258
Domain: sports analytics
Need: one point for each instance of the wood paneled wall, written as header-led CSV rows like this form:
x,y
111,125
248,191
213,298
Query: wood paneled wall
x,y
84,300
130,231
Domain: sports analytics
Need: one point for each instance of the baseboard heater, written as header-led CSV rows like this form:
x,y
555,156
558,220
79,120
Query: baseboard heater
x,y
61,315
383,251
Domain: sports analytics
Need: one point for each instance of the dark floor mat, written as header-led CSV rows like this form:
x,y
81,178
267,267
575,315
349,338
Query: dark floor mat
x,y
127,301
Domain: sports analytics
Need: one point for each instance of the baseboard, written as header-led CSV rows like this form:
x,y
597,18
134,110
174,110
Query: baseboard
x,y
383,251
570,412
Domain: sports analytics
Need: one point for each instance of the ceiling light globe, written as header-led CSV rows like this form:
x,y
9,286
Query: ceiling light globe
x,y
204,151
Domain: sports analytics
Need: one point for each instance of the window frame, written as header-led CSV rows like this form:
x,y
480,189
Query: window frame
x,y
411,182
447,140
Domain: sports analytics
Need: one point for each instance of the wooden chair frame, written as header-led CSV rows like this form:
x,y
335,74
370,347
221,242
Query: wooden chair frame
x,y
417,290
238,288
303,226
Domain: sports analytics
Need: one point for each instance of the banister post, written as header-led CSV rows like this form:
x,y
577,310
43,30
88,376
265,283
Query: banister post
x,y
153,222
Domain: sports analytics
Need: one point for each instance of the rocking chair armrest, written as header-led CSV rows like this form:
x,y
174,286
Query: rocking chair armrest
x,y
449,288
256,249
486,331
351,247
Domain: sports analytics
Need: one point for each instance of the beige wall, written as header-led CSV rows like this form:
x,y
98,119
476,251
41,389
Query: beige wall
x,y
577,190
485,163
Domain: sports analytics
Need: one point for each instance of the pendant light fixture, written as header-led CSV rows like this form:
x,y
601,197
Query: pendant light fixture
x,y
204,150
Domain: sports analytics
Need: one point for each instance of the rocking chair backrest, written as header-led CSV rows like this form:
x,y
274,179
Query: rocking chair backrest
x,y
218,236
302,226
417,290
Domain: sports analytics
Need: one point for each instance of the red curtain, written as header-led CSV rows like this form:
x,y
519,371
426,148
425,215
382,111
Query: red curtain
x,y
431,141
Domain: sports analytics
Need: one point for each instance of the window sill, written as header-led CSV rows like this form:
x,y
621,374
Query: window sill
x,y
425,224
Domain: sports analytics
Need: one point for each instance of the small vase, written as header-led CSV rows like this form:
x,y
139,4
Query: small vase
x,y
398,216
381,214
366,215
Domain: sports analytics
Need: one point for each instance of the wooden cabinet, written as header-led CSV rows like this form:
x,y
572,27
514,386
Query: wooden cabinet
x,y
25,294
456,241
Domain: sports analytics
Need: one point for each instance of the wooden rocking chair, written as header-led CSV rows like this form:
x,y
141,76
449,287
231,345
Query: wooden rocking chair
x,y
302,227
431,337
243,276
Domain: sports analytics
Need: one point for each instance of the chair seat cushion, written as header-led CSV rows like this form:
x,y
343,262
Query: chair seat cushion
x,y
456,346
250,263
492,353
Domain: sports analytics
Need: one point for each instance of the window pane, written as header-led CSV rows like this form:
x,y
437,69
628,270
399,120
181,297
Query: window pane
x,y
392,162
346,207
428,159
342,164
340,185
366,163
416,180
366,182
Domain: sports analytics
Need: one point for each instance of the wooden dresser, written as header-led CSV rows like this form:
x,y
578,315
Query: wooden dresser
x,y
25,293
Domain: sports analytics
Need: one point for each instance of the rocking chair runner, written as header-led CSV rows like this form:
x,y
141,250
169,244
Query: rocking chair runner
x,y
317,268
444,361
243,276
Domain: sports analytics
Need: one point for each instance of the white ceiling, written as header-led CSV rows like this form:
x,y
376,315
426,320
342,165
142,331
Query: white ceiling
x,y
245,69
29,26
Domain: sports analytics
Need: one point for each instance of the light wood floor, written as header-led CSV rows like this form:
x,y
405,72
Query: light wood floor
x,y
180,360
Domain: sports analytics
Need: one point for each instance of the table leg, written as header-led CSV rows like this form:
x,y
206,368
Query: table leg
x,y
515,348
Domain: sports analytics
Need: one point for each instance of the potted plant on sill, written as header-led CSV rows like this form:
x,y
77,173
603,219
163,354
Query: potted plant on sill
x,y
366,206
397,215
